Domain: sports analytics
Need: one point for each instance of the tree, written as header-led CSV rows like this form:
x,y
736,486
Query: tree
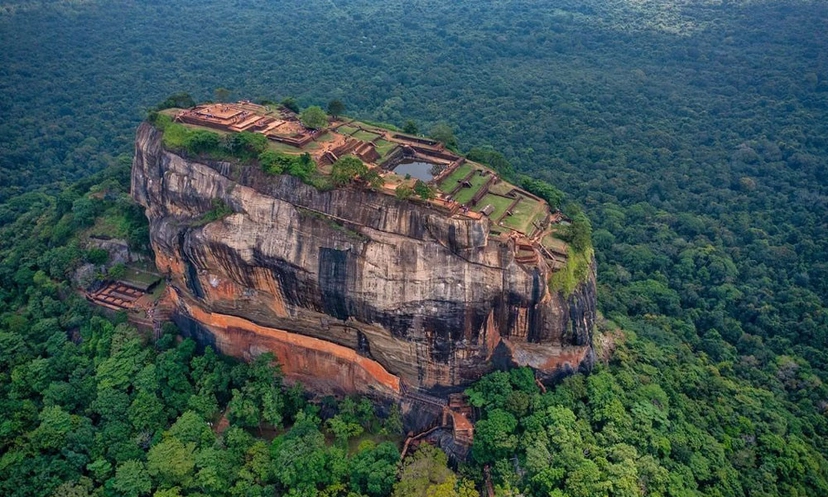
x,y
404,192
202,141
299,457
222,94
423,190
494,437
580,232
147,412
343,429
347,169
410,127
190,427
444,134
247,145
374,469
171,461
336,108
290,104
314,117
178,100
132,479
373,178
421,471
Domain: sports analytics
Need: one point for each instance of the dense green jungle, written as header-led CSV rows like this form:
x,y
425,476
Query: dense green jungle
x,y
694,134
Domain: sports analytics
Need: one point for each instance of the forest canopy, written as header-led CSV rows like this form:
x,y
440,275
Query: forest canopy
x,y
693,134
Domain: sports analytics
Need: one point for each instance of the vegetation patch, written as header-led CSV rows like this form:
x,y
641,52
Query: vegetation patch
x,y
384,147
346,130
576,270
300,166
365,136
220,210
523,213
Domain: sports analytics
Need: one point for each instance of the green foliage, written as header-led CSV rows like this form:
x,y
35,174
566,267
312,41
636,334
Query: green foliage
x,y
336,108
97,256
301,166
117,271
444,134
695,144
639,427
404,192
544,190
374,469
347,169
576,270
131,479
410,127
219,210
580,233
424,191
422,472
290,104
494,437
246,145
493,159
171,462
181,100
222,94
314,117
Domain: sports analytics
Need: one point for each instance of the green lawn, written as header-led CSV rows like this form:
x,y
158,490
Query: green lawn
x,y
283,148
466,194
365,136
501,188
384,147
450,182
346,130
499,203
550,242
523,214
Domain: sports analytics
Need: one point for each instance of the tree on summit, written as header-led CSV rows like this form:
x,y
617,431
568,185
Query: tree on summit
x,y
222,94
347,169
444,134
336,108
410,127
314,117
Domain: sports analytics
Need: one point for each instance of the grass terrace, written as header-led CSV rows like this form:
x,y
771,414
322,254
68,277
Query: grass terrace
x,y
526,211
554,243
451,181
283,148
365,136
499,203
501,188
465,194
384,147
346,130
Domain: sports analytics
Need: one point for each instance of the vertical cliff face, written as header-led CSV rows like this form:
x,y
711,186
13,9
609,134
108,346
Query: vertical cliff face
x,y
353,290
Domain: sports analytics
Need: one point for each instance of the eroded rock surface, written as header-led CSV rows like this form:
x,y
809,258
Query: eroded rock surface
x,y
354,291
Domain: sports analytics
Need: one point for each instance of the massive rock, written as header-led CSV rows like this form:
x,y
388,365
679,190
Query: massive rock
x,y
354,291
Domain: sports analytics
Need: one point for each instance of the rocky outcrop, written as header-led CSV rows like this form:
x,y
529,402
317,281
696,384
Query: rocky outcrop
x,y
354,291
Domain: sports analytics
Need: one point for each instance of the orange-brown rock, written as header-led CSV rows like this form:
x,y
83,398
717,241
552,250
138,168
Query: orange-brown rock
x,y
353,290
